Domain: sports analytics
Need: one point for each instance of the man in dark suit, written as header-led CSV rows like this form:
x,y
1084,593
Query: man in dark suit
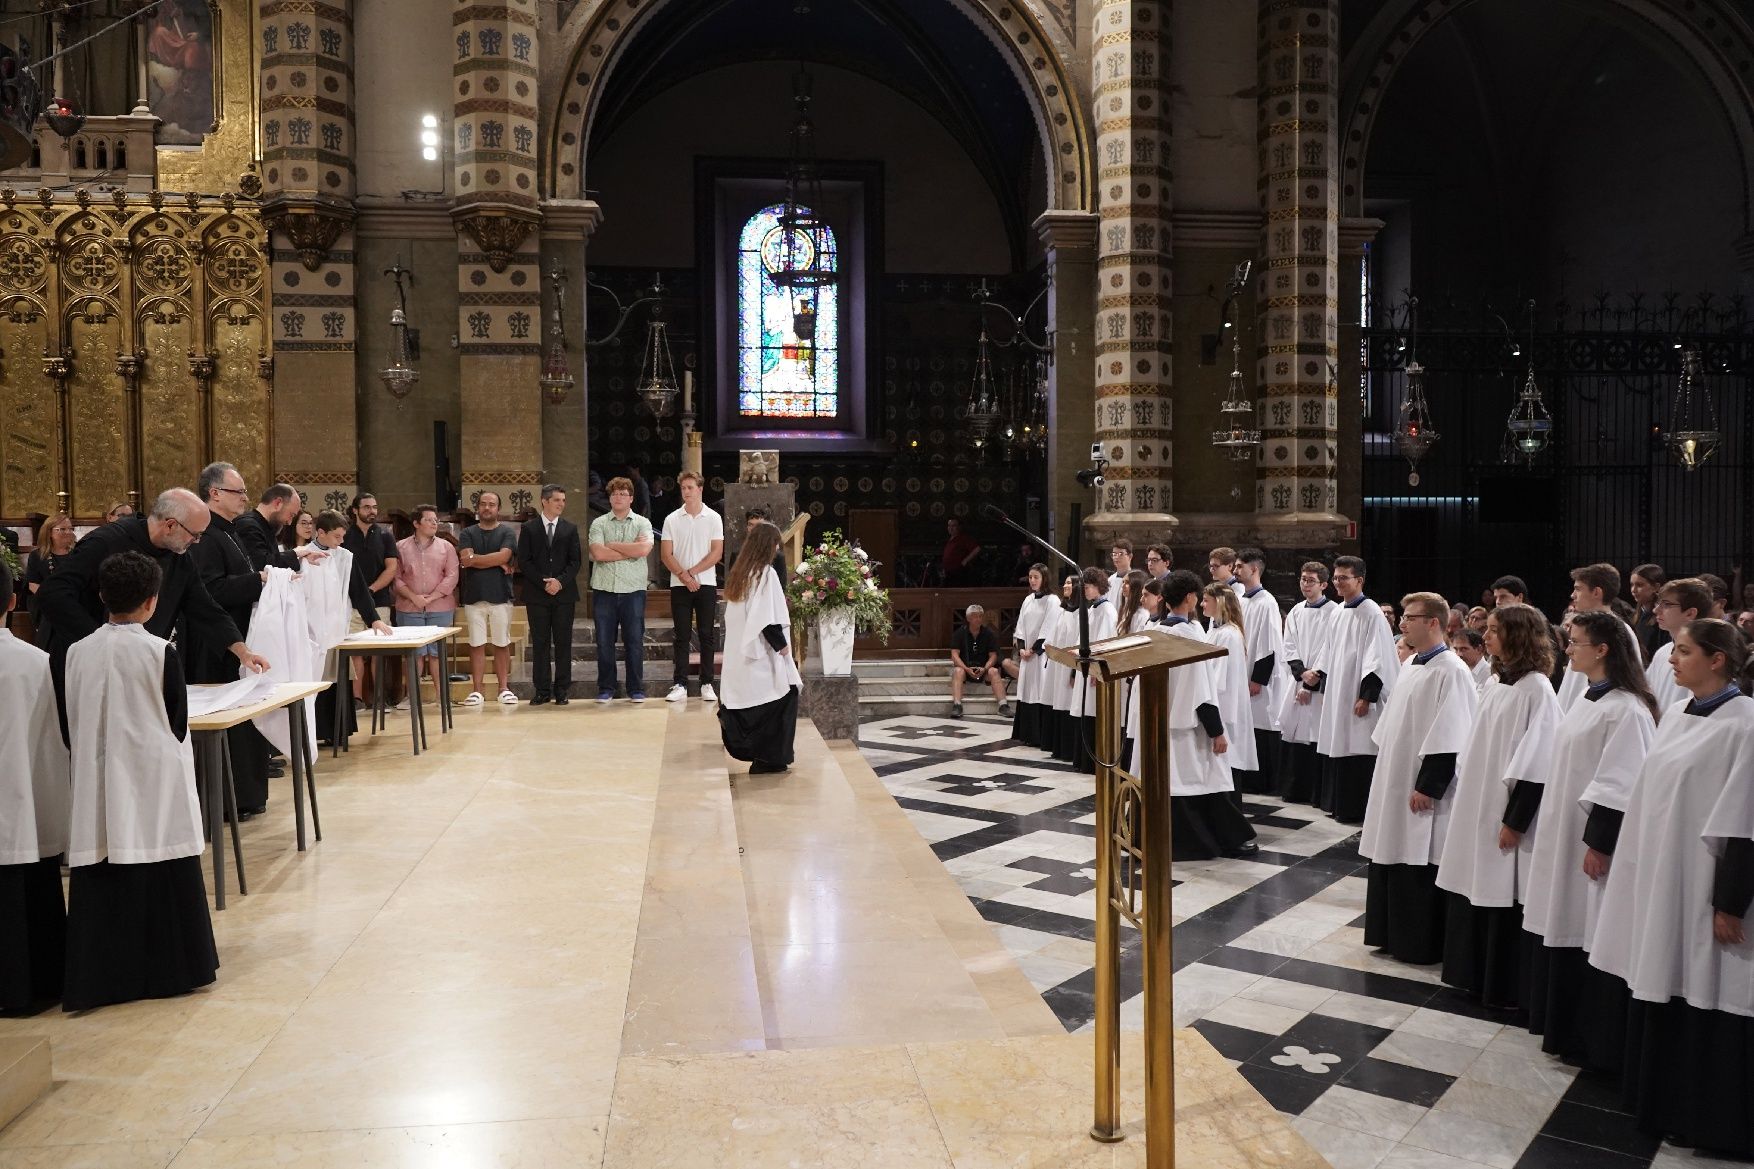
x,y
549,558
176,523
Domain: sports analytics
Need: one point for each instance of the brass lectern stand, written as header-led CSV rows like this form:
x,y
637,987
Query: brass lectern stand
x,y
1133,871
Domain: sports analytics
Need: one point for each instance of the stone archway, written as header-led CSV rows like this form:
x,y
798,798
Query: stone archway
x,y
1716,44
596,33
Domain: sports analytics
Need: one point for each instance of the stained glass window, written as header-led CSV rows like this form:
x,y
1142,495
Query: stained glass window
x,y
785,369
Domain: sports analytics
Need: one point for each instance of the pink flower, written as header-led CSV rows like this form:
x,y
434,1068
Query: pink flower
x,y
832,583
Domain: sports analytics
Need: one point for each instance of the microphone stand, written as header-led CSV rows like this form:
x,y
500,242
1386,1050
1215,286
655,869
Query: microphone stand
x,y
993,513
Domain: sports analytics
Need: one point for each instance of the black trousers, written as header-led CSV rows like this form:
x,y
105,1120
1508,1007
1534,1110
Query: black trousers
x,y
551,648
694,612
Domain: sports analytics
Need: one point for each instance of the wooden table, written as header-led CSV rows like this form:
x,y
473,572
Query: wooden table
x,y
213,770
408,641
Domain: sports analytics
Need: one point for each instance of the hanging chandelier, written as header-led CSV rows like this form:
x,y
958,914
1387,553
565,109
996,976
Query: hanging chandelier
x,y
1236,435
557,379
1693,435
400,376
983,413
806,252
1529,428
1414,434
658,387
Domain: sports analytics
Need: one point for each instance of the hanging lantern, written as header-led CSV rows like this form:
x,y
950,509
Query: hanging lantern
x,y
557,379
1236,436
657,385
1414,434
399,377
1530,427
806,257
1693,427
982,415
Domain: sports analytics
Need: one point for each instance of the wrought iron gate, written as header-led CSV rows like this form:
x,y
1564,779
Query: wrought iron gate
x,y
1607,488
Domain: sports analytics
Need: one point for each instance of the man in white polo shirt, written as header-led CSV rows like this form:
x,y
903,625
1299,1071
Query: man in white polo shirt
x,y
693,542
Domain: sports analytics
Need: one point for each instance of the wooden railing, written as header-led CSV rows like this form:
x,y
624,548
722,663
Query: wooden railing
x,y
926,619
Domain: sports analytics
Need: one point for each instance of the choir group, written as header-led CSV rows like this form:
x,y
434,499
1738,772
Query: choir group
x,y
1562,817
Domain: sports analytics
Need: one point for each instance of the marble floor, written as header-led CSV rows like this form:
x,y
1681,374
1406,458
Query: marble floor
x,y
573,938
1377,1064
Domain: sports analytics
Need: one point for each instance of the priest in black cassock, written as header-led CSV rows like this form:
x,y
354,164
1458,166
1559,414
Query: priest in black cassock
x,y
258,530
235,583
1423,728
176,523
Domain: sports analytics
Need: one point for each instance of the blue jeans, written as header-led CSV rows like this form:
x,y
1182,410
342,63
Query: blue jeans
x,y
436,619
624,613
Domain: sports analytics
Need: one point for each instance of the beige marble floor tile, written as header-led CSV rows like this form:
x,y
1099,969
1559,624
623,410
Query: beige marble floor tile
x,y
121,1155
693,995
879,1134
393,1061
525,1144
903,990
822,911
704,902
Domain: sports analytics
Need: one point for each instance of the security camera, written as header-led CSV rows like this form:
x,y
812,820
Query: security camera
x,y
1096,452
1091,476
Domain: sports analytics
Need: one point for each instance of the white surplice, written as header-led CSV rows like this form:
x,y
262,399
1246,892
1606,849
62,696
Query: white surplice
x,y
1264,629
134,796
1036,613
1598,750
36,794
1358,644
1306,630
280,631
755,672
1062,631
1430,713
1231,677
1481,670
1102,626
1655,927
1661,676
1512,741
1194,768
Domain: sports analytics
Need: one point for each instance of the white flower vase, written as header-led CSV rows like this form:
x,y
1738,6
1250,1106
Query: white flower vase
x,y
834,638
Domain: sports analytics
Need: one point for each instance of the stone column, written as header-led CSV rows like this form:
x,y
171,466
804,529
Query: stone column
x,y
1297,289
1133,358
1069,241
499,262
307,204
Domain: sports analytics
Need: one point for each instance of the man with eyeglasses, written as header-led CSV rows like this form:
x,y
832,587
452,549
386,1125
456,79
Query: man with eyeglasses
x,y
176,523
1159,562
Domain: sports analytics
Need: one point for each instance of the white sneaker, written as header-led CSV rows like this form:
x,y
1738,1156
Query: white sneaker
x,y
474,699
679,693
707,693
401,706
508,698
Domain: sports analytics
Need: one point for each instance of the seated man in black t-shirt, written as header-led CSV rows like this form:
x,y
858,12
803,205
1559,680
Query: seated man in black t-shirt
x,y
974,655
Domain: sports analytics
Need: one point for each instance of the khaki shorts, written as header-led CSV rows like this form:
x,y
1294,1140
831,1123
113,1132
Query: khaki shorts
x,y
489,623
354,624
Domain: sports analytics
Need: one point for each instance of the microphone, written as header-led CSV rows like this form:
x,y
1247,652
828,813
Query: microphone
x,y
994,513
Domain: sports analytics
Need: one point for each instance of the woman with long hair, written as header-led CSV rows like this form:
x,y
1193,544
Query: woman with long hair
x,y
1597,752
1062,631
1102,626
55,542
1679,603
1222,607
1485,865
1673,922
758,692
1131,618
301,531
1039,609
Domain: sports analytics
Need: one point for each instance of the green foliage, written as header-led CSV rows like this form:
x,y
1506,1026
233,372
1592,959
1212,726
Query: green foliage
x,y
837,576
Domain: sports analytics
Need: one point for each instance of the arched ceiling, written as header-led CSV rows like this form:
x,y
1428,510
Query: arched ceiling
x,y
931,53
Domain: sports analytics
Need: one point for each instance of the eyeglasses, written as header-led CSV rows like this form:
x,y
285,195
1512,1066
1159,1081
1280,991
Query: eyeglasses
x,y
1405,617
232,490
194,537
1667,605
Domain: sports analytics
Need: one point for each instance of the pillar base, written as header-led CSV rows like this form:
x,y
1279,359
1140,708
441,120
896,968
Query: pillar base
x,y
1300,530
1104,528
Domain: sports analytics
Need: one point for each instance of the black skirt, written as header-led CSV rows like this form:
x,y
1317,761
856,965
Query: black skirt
x,y
1300,770
1064,741
1203,827
1084,730
324,715
1579,1012
249,764
761,734
33,936
1689,1077
1030,724
1264,780
1404,912
1483,950
1344,791
137,932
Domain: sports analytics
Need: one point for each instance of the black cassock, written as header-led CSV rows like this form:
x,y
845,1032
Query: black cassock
x,y
236,584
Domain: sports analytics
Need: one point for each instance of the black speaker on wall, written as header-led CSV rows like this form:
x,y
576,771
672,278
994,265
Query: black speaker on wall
x,y
444,491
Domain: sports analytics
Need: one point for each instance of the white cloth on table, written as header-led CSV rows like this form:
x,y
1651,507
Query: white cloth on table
x,y
36,795
134,798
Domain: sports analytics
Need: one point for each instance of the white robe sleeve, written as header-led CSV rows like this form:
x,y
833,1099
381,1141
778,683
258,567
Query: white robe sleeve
x,y
1628,742
1732,817
1454,720
1534,751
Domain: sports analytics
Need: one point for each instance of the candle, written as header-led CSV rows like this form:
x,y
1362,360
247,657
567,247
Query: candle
x,y
688,391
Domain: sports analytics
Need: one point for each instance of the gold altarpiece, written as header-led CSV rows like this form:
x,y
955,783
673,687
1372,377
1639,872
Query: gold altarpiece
x,y
134,348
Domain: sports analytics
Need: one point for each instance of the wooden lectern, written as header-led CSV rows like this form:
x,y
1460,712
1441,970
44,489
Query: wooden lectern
x,y
1133,853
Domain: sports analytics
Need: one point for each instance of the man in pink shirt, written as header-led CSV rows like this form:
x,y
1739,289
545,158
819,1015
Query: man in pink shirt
x,y
426,585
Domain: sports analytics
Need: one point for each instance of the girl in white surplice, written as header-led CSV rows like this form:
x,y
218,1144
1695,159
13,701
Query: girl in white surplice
x,y
758,693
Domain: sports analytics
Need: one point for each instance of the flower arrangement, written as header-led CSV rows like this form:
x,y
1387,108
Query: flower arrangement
x,y
839,576
12,564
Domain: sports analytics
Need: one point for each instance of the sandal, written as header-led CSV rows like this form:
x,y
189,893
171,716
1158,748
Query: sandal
x,y
508,698
474,699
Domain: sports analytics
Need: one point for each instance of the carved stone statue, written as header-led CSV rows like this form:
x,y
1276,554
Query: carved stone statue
x,y
758,468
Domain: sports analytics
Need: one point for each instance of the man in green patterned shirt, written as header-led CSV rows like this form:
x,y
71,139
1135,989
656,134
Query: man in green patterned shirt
x,y
620,540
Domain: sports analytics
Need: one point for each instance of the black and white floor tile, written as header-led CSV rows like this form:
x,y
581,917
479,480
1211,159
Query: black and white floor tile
x,y
1379,1064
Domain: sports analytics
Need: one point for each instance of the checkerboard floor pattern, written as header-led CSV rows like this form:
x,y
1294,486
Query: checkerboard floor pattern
x,y
1379,1064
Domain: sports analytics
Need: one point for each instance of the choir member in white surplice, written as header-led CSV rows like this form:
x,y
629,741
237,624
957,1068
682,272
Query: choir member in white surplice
x,y
137,922
1205,821
1300,715
1131,618
1679,603
1673,921
334,589
1102,626
35,801
1485,865
1120,554
1062,683
1594,588
1030,633
1268,678
1470,646
1598,750
1424,727
758,692
1228,630
1355,672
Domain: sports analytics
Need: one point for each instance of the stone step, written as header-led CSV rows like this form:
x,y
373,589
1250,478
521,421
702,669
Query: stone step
x,y
880,706
25,1074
